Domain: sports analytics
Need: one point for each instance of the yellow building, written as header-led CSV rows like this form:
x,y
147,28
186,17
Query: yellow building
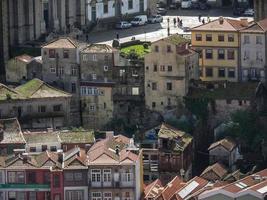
x,y
218,45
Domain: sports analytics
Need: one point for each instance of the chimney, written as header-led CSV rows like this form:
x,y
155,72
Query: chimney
x,y
60,155
221,20
244,22
117,150
1,132
109,134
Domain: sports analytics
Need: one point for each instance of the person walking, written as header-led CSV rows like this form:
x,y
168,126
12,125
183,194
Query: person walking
x,y
203,21
174,22
117,36
199,18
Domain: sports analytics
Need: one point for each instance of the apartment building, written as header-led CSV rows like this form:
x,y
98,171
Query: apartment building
x,y
36,105
218,45
253,51
115,172
169,67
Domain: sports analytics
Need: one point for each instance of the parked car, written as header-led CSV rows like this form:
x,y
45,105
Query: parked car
x,y
155,19
186,4
123,25
238,11
161,5
161,11
139,20
186,29
174,6
249,12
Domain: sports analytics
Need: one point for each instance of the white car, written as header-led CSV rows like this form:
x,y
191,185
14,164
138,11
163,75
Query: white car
x,y
139,20
186,4
123,25
155,19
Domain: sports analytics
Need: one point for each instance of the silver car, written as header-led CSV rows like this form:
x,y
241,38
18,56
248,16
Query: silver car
x,y
155,19
123,25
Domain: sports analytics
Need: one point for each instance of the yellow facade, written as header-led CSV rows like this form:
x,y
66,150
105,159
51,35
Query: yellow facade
x,y
217,66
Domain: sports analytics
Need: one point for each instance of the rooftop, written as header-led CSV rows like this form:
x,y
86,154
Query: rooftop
x,y
41,137
64,42
76,137
98,48
217,169
12,132
227,143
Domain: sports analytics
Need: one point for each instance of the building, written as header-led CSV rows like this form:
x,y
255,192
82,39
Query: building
x,y
114,171
250,187
36,105
11,136
218,45
260,7
153,190
61,62
169,67
225,151
97,63
253,51
166,153
215,172
23,68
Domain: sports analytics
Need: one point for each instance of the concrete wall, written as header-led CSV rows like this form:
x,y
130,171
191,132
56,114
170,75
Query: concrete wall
x,y
218,197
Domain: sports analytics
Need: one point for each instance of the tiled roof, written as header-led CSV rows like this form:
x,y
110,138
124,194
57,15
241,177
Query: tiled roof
x,y
227,143
40,137
76,137
98,48
64,42
36,88
263,24
171,188
153,189
7,93
216,168
73,155
12,132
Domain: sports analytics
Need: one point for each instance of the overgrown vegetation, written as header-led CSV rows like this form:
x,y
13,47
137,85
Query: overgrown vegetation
x,y
135,51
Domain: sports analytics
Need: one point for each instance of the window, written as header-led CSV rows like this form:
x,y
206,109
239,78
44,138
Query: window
x,y
221,38
105,68
44,147
221,54
52,69
156,48
105,10
154,86
96,175
41,109
231,38
162,68
208,37
73,87
169,49
85,57
53,148
155,68
94,57
29,108
107,196
169,68
209,72
74,195
221,72
65,53
57,197
246,39
231,73
258,40
169,86
246,55
78,176
107,175
127,176
52,53
32,149
32,195
94,76
74,71
130,4
96,196
259,55
198,37
31,177
56,181
46,177
92,108
199,51
153,104
60,70
262,73
57,108
209,54
16,177
135,90
230,54
104,105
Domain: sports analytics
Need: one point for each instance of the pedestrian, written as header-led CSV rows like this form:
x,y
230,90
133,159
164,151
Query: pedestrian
x,y
87,37
199,18
203,21
208,19
117,36
178,20
181,23
174,22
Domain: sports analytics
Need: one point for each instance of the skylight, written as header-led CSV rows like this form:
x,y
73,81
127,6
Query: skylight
x,y
241,185
262,190
188,189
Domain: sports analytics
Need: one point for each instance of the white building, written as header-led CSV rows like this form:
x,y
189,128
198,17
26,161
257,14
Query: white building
x,y
253,53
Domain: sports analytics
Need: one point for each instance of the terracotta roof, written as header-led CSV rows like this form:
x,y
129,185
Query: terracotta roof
x,y
12,132
227,143
153,189
64,42
217,169
263,24
98,48
73,155
171,188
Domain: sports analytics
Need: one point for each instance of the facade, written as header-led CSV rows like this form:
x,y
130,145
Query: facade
x,y
225,151
169,67
253,51
218,45
97,63
22,68
36,105
61,62
260,7
114,172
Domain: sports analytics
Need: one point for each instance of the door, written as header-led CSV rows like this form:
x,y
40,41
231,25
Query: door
x,y
142,9
93,13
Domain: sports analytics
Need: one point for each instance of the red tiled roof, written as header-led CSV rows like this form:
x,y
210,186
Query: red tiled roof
x,y
216,168
171,188
152,190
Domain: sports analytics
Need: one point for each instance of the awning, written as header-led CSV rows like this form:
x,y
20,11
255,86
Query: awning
x,y
25,187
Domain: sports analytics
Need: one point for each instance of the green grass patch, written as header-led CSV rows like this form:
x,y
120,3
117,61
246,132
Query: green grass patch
x,y
139,50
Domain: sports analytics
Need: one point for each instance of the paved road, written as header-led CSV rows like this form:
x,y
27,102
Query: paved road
x,y
153,32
